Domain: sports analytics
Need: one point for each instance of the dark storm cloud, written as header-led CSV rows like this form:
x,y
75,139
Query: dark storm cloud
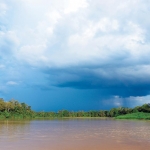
x,y
108,80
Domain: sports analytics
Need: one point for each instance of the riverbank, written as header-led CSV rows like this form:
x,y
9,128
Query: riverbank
x,y
133,116
138,115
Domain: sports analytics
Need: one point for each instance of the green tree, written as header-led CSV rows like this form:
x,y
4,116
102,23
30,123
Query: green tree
x,y
2,104
9,106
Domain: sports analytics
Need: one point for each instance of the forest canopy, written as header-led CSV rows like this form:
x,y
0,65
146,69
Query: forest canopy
x,y
13,109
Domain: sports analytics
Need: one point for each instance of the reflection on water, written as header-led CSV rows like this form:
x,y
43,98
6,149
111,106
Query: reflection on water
x,y
75,134
13,130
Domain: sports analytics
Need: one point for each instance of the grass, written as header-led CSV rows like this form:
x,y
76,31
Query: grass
x,y
138,115
15,117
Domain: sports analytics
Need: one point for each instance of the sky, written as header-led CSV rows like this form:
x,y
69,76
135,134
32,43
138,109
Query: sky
x,y
75,54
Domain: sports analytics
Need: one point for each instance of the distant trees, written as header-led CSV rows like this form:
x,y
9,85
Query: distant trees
x,y
63,113
143,108
14,109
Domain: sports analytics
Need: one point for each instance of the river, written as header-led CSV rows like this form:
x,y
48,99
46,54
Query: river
x,y
75,134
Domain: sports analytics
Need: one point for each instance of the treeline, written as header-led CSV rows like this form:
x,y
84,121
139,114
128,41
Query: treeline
x,y
114,112
14,109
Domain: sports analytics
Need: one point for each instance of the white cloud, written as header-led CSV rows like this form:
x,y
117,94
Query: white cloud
x,y
8,45
34,54
53,17
11,83
73,32
138,100
3,9
74,5
107,25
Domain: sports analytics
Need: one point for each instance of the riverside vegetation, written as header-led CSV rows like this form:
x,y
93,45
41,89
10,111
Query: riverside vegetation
x,y
15,110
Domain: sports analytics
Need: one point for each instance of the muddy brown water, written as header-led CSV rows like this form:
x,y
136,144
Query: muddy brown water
x,y
75,134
